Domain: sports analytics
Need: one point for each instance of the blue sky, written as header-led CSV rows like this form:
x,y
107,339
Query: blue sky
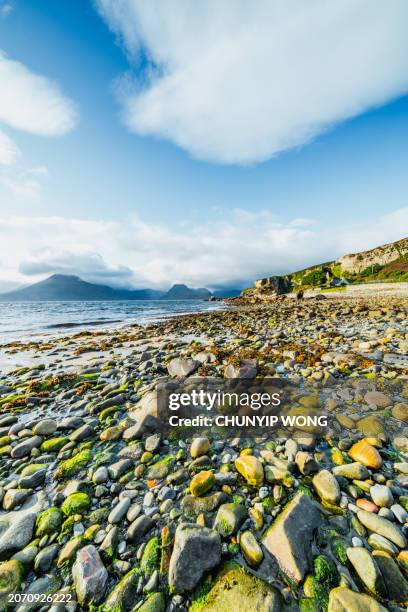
x,y
154,174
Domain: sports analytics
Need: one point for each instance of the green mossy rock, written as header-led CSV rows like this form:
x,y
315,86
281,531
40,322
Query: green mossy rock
x,y
151,557
160,469
235,589
76,503
202,483
53,445
31,469
229,518
5,440
251,469
48,522
154,603
11,575
123,593
75,464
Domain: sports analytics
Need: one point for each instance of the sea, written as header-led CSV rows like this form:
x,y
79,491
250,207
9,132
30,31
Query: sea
x,y
29,320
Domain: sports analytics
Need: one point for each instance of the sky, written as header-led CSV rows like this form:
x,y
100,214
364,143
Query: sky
x,y
143,144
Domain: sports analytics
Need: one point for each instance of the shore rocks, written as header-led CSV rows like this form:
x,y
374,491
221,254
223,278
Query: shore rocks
x,y
343,599
251,469
229,518
366,454
382,496
196,550
89,575
48,521
353,471
327,487
183,519
182,367
251,549
202,483
288,539
139,528
11,575
16,530
382,527
237,590
367,569
199,447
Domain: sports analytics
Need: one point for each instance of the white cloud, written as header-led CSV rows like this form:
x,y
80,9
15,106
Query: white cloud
x,y
9,151
32,102
238,249
91,265
239,81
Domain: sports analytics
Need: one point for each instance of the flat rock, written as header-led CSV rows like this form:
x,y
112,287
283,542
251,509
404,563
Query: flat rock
x,y
288,539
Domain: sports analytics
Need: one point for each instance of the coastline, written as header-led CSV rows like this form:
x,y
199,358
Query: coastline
x,y
79,448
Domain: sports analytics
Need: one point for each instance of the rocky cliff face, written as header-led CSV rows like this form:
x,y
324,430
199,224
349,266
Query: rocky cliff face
x,y
266,288
382,255
388,262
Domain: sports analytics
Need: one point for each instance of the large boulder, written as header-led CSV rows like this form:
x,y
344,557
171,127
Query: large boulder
x,y
288,539
196,550
90,576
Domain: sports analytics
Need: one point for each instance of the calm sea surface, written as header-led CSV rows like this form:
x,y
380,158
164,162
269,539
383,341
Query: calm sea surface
x,y
20,320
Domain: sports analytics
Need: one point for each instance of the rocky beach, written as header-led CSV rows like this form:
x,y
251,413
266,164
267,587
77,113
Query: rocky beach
x,y
102,511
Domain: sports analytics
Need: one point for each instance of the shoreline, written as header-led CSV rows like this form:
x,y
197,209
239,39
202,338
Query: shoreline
x,y
86,472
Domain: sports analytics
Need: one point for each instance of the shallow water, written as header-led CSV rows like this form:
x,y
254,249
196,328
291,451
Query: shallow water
x,y
23,320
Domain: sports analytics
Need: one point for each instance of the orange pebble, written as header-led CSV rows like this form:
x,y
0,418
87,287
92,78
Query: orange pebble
x,y
366,504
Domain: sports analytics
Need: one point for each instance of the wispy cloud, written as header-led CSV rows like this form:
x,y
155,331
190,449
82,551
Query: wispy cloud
x,y
32,102
238,82
234,250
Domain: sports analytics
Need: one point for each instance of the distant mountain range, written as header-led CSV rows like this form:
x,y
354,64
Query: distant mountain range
x,y
62,287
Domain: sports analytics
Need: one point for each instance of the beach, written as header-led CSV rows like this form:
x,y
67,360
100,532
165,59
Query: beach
x,y
99,506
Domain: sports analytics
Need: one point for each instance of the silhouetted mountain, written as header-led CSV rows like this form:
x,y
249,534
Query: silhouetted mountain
x,y
62,287
182,292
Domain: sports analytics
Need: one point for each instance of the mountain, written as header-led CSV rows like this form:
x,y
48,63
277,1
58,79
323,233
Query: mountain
x,y
182,292
388,262
62,287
